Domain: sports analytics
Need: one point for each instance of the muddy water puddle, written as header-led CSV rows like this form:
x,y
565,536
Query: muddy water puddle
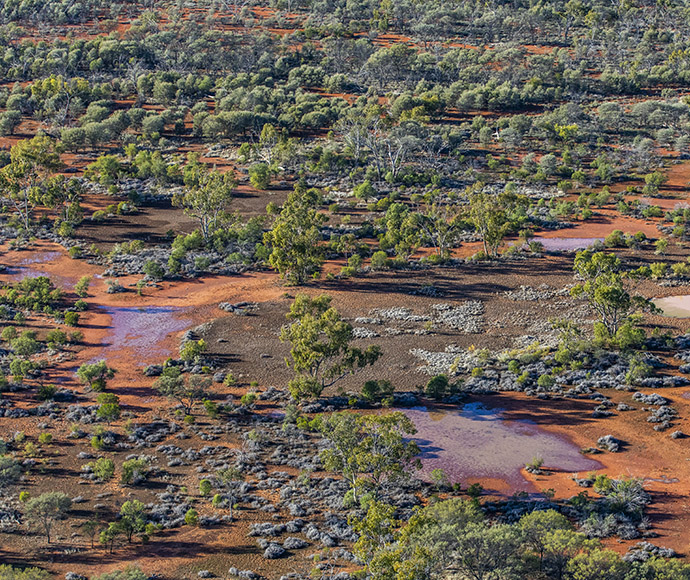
x,y
29,267
566,244
142,330
477,443
674,306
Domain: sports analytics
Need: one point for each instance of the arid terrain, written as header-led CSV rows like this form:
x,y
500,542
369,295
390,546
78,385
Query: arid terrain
x,y
341,290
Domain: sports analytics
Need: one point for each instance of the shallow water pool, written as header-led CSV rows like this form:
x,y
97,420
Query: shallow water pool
x,y
674,306
478,443
143,329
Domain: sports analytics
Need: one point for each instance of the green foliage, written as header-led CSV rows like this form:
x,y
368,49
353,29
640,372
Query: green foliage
x,y
603,288
637,370
129,573
109,407
377,390
10,471
368,450
45,438
103,468
134,470
8,572
205,487
71,318
186,390
206,197
211,408
438,387
8,333
25,180
364,190
46,509
56,338
37,294
154,270
132,518
191,518
492,216
260,175
95,375
97,443
248,399
379,260
320,348
25,344
295,237
192,350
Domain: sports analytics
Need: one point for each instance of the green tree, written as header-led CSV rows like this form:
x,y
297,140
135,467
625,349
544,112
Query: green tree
x,y
205,487
25,178
657,568
134,470
109,407
95,375
206,197
8,572
440,222
295,237
597,564
91,528
10,470
229,478
486,552
260,175
320,349
603,287
427,546
433,531
191,518
110,535
26,344
368,449
491,216
437,387
129,573
46,509
536,526
402,232
186,390
376,530
132,518
82,286
559,547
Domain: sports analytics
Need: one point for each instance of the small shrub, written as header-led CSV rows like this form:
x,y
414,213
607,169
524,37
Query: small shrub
x,y
45,438
205,487
191,518
437,387
103,468
134,471
71,318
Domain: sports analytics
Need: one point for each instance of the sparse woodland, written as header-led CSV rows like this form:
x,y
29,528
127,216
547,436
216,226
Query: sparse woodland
x,y
244,245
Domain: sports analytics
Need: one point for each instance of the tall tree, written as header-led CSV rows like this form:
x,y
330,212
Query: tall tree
x,y
491,216
25,179
206,197
295,237
602,284
440,222
321,353
46,509
185,390
369,449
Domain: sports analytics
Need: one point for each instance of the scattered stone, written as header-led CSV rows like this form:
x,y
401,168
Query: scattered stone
x,y
610,443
